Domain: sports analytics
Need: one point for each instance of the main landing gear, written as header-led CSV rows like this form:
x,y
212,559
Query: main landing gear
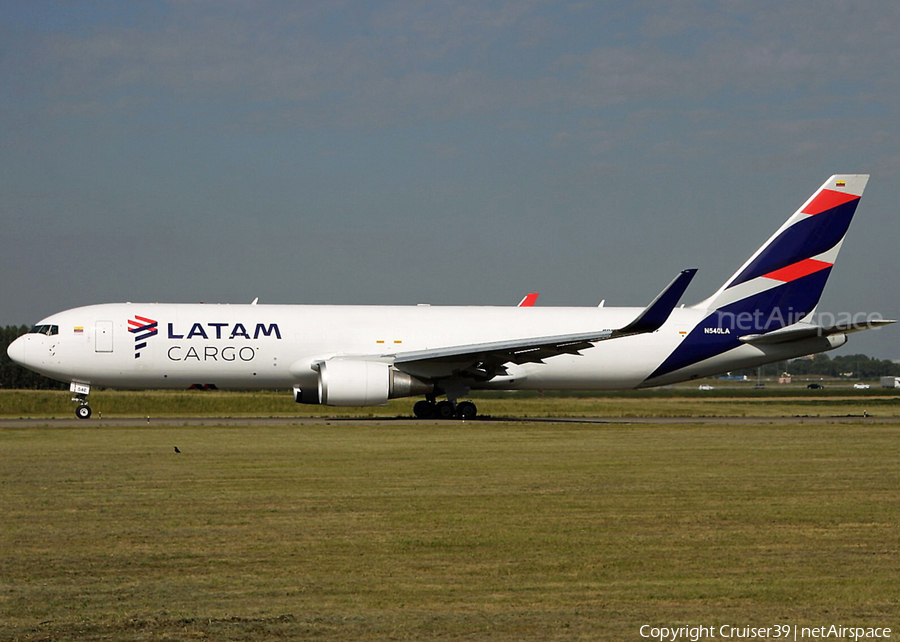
x,y
81,390
428,409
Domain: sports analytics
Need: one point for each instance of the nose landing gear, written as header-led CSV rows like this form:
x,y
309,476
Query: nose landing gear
x,y
81,390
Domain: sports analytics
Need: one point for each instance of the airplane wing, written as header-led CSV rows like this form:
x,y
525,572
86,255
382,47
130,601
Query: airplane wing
x,y
487,359
803,331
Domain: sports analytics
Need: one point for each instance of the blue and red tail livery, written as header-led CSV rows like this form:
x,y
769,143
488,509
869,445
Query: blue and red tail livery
x,y
781,283
808,241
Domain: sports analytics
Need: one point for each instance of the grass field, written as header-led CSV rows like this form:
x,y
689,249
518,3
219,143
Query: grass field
x,y
367,530
678,402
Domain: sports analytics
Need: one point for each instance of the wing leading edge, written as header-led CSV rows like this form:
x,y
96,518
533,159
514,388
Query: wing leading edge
x,y
486,360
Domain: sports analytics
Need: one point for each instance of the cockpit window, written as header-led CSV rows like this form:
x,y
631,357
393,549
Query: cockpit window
x,y
49,330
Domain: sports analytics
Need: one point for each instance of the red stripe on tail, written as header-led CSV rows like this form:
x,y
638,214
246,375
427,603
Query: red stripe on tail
x,y
828,199
798,270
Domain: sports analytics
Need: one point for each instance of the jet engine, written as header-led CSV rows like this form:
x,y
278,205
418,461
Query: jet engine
x,y
347,382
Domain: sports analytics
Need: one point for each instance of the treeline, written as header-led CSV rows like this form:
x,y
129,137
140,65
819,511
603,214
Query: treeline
x,y
857,366
15,376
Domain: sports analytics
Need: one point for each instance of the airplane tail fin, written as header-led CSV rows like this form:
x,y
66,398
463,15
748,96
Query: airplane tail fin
x,y
779,287
782,282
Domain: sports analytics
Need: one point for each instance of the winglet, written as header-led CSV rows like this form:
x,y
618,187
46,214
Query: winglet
x,y
657,313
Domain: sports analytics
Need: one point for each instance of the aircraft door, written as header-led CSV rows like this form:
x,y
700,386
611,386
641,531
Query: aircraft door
x,y
103,336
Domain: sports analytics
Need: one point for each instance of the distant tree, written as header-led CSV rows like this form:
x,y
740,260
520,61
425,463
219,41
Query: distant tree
x,y
859,366
13,375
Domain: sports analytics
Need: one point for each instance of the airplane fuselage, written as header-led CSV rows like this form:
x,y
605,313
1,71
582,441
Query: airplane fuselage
x,y
170,346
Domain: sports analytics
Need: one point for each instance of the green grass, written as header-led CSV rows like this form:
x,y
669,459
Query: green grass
x,y
407,531
678,402
166,403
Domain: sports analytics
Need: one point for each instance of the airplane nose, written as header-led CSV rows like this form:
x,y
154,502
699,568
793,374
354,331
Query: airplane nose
x,y
16,350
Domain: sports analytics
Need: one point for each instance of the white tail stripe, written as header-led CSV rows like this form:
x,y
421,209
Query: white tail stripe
x,y
762,284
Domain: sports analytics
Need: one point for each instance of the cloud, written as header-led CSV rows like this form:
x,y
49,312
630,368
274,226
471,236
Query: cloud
x,y
400,62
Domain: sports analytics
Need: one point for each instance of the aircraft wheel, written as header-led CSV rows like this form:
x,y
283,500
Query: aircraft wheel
x,y
466,410
423,409
83,412
444,410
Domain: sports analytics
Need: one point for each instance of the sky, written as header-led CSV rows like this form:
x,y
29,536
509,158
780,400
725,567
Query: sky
x,y
460,153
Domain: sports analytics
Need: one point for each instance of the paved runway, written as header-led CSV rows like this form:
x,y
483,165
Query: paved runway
x,y
98,422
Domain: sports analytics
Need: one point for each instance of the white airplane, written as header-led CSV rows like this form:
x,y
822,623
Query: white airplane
x,y
365,355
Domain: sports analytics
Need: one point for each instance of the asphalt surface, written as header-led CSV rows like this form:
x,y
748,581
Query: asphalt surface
x,y
99,422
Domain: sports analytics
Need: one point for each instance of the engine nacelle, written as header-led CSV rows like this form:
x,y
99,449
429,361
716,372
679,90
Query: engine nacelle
x,y
346,382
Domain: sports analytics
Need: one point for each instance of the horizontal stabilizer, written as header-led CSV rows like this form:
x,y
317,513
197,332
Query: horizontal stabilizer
x,y
803,331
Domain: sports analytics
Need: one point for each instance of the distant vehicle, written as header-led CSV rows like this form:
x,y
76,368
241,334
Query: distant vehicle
x,y
890,382
861,386
815,386
705,386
